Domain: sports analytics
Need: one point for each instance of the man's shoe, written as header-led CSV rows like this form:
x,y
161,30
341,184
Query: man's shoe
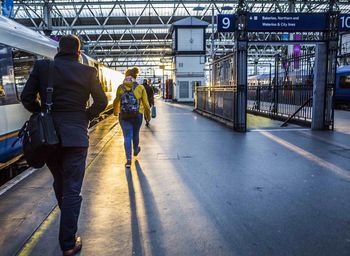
x,y
137,152
128,164
76,249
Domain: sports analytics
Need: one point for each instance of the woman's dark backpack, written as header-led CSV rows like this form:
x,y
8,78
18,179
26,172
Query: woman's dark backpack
x,y
129,105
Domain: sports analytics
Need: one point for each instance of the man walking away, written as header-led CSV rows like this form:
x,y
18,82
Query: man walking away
x,y
150,94
73,84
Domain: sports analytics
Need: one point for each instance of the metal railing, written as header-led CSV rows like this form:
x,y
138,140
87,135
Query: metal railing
x,y
281,102
217,101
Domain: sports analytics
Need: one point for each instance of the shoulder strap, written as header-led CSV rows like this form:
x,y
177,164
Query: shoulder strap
x,y
124,89
134,86
49,88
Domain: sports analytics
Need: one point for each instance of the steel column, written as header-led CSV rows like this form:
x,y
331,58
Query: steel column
x,y
47,17
240,110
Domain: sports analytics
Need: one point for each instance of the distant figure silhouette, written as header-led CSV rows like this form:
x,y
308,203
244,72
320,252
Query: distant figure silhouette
x,y
150,93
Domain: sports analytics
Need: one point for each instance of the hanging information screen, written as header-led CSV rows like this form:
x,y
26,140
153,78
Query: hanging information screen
x,y
287,22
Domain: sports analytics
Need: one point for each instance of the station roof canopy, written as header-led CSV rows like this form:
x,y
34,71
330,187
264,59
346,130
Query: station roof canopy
x,y
190,22
134,32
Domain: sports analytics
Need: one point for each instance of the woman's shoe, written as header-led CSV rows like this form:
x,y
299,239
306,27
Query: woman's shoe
x,y
128,164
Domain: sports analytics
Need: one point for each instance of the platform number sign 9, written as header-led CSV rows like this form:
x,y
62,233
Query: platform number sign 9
x,y
344,22
226,23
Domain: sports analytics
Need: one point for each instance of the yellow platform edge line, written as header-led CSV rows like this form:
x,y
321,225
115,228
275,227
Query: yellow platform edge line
x,y
34,239
28,247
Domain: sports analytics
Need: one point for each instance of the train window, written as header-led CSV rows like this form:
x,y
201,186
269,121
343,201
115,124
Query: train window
x,y
23,63
344,82
7,85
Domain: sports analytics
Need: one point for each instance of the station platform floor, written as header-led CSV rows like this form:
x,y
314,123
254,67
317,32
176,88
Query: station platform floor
x,y
197,188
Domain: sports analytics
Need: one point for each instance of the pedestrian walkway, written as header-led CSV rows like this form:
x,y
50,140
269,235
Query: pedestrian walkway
x,y
198,188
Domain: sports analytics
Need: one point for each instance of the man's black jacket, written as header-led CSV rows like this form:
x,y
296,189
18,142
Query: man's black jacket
x,y
73,84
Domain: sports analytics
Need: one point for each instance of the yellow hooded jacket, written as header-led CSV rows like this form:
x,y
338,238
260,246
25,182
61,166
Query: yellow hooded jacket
x,y
141,96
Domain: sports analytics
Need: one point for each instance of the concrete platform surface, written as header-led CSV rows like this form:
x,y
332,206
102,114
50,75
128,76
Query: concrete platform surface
x,y
198,188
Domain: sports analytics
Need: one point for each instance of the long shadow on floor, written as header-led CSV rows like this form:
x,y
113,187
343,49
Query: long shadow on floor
x,y
154,227
151,128
135,227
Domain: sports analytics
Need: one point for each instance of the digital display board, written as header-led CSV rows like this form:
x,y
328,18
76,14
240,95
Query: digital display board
x,y
287,22
283,22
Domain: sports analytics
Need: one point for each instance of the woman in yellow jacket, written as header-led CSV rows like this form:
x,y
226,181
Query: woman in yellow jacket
x,y
130,111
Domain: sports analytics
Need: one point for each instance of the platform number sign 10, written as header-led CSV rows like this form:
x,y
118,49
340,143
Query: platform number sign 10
x,y
226,23
344,22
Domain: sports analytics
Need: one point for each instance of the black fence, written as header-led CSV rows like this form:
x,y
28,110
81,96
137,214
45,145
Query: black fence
x,y
284,93
220,99
281,102
217,101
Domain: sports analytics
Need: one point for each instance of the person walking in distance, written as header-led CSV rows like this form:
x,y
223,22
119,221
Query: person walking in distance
x,y
73,83
150,94
130,104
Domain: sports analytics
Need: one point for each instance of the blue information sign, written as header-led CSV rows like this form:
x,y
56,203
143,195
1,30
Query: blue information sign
x,y
226,22
344,22
287,22
291,22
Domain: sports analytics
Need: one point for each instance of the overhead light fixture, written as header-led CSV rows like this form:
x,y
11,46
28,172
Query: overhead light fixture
x,y
198,8
226,8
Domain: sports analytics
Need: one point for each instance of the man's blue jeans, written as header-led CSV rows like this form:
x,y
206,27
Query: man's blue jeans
x,y
131,132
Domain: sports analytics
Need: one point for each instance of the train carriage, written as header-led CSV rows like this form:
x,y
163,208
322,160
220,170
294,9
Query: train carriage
x,y
295,79
342,91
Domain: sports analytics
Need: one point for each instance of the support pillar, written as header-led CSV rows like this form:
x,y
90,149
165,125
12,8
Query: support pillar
x,y
325,75
332,51
240,108
319,87
275,83
240,122
212,51
47,18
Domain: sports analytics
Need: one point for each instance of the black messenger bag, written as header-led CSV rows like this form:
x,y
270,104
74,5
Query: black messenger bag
x,y
38,134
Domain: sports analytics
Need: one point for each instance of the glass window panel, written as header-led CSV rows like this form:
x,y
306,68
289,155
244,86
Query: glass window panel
x,y
7,85
23,63
344,82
